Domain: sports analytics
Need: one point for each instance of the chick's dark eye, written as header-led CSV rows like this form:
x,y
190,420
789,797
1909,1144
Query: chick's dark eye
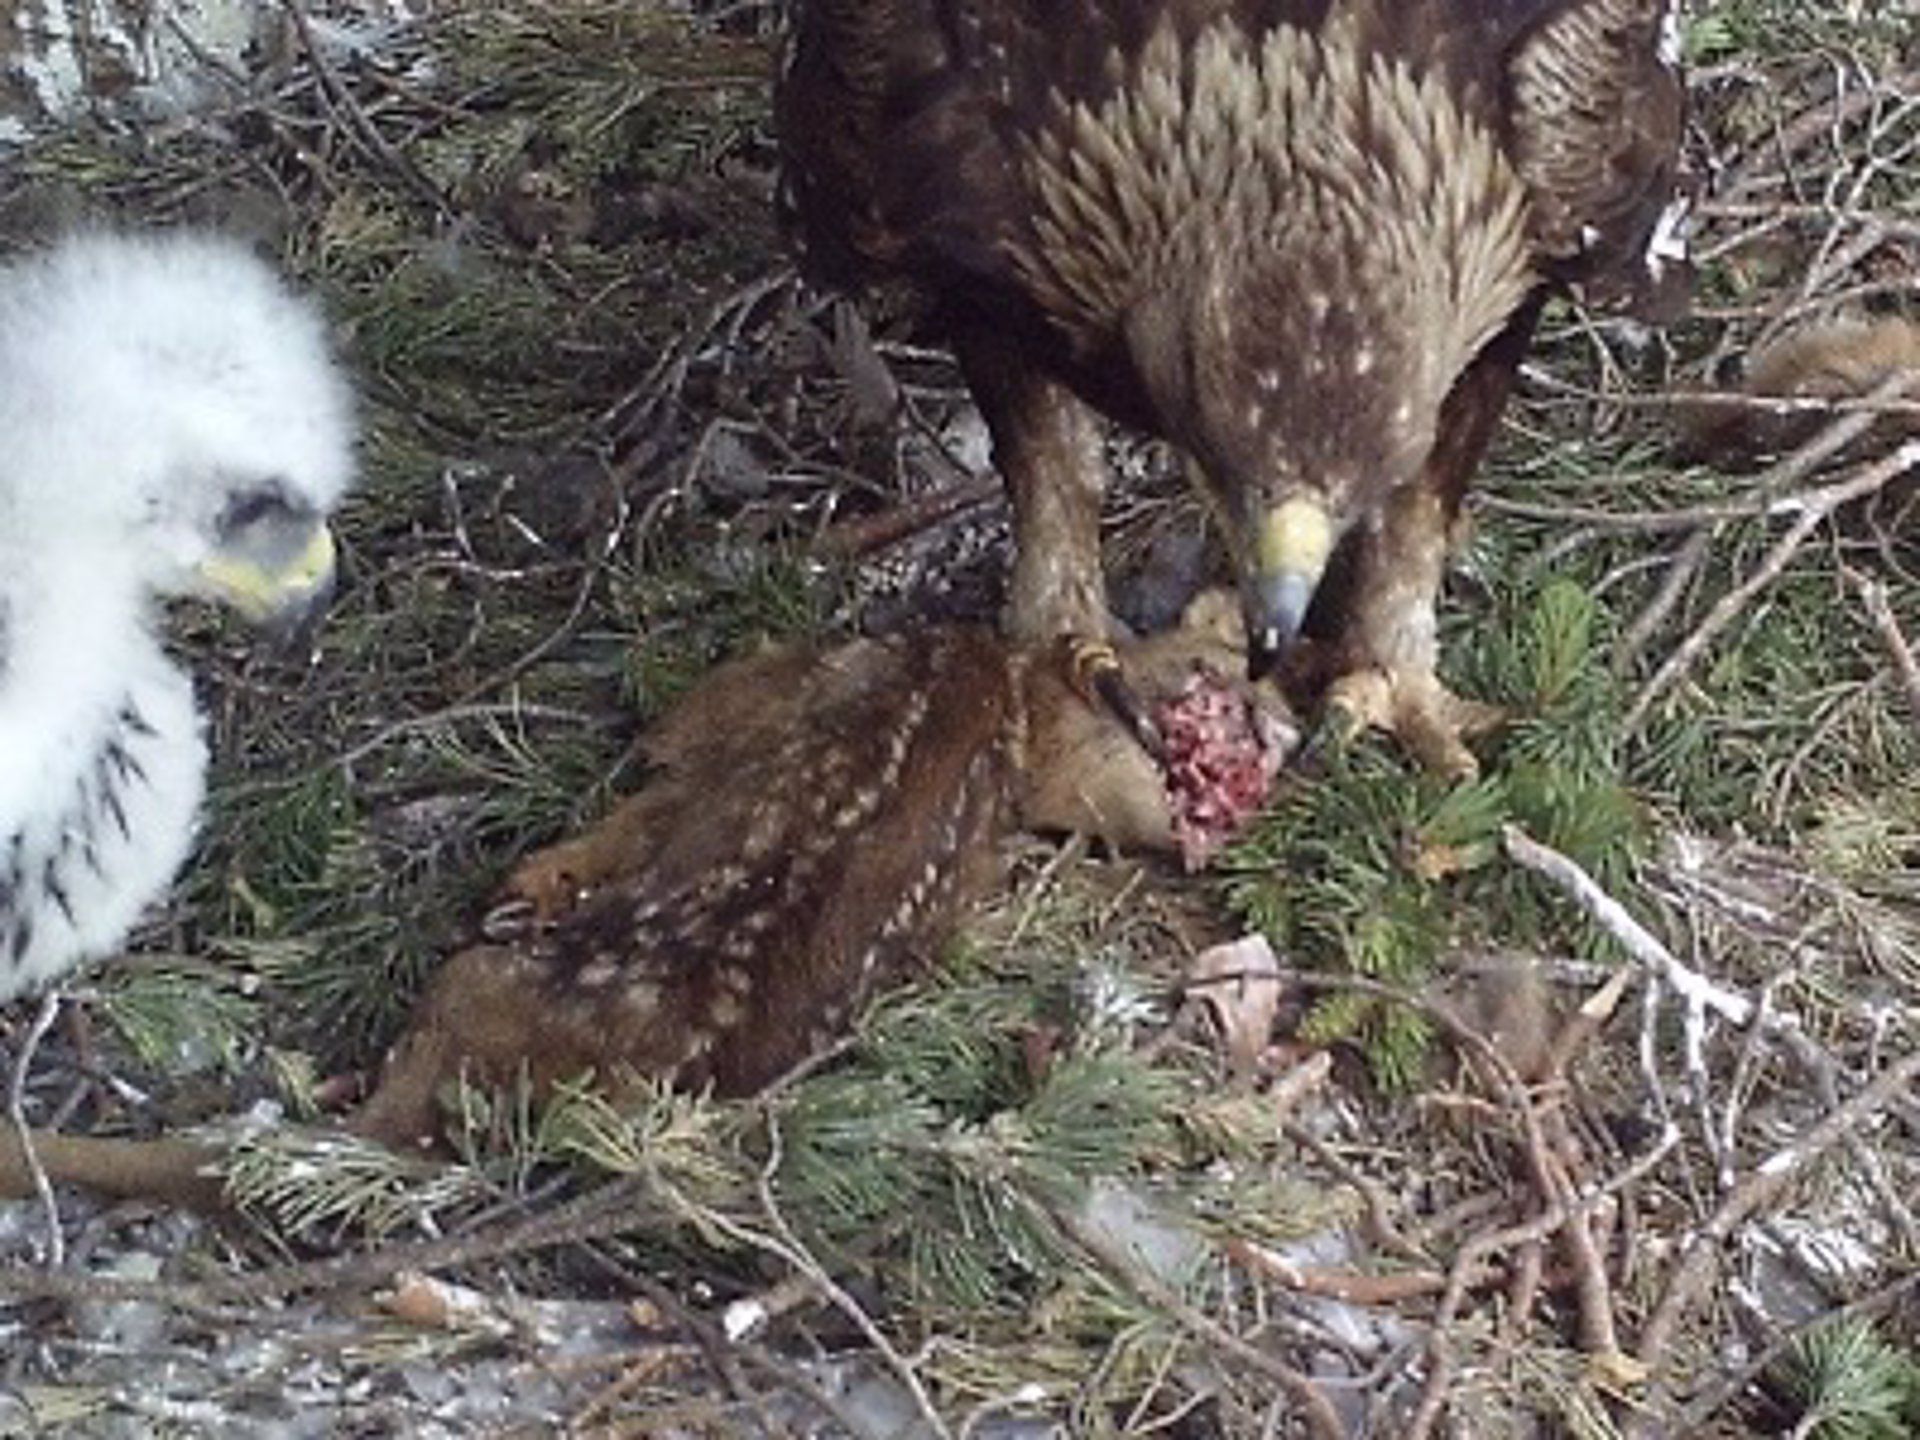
x,y
250,507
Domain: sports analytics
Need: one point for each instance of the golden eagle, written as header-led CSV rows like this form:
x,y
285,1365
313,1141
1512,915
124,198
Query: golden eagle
x,y
1304,240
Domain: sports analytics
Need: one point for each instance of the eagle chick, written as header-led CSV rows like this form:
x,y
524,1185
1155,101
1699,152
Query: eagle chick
x,y
1305,240
170,423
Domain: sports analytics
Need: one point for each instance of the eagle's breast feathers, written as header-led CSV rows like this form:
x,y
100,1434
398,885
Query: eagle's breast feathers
x,y
1298,160
1072,153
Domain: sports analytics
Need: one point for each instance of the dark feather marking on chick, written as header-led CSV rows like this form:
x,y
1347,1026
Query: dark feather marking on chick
x,y
125,763
51,885
112,763
16,922
96,797
134,721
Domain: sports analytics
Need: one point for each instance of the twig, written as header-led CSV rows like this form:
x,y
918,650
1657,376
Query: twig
x,y
626,419
1771,493
1873,595
1593,1289
786,1247
1763,404
1693,1276
636,1371
465,704
1814,509
1565,1210
923,512
786,1372
1637,522
56,1253
611,1208
1592,1292
722,1355
231,76
1586,1022
1812,127
1321,1418
1698,995
1352,1287
1696,989
457,713
802,1260
1680,569
341,102
1499,1069
1693,1420
1380,1227
1473,1255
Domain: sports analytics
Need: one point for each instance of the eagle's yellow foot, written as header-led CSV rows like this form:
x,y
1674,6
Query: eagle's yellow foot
x,y
1418,711
1096,672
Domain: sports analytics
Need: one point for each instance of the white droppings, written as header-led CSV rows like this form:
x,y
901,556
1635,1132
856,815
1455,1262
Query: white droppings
x,y
1668,243
1672,36
742,1318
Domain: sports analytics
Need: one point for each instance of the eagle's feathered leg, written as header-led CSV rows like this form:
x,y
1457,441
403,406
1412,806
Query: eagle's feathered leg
x,y
1387,647
1046,444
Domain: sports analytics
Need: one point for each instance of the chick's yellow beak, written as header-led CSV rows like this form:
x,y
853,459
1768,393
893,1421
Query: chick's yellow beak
x,y
282,586
1290,552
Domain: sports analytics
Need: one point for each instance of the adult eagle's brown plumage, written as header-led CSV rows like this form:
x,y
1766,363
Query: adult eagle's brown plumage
x,y
1305,240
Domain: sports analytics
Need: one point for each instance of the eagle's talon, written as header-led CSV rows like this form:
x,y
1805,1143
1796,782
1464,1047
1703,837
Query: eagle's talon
x,y
1096,671
1087,660
1330,733
1418,711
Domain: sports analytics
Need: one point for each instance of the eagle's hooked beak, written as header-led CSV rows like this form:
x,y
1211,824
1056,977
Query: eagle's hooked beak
x,y
281,583
1290,553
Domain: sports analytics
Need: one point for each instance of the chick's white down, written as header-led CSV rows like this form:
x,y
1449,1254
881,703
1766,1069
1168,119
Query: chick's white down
x,y
157,394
